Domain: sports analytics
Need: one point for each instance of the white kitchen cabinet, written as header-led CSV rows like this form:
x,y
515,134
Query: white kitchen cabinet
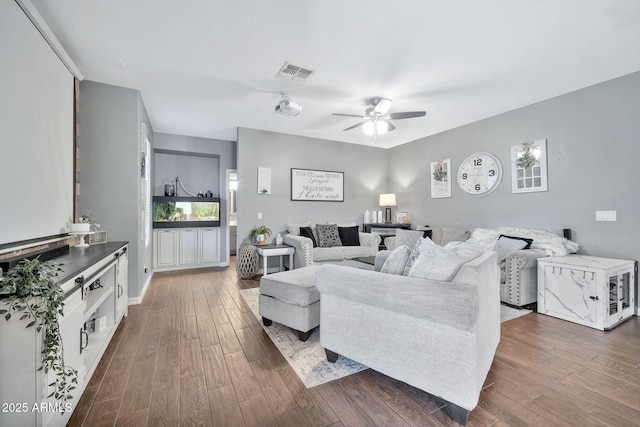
x,y
180,248
209,245
165,248
188,246
592,291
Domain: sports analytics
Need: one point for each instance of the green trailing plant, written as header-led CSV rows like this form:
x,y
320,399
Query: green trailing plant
x,y
258,230
37,298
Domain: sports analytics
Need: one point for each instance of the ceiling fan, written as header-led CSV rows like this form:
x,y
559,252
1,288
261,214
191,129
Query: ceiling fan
x,y
377,117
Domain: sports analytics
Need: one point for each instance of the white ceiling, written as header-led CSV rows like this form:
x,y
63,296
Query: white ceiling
x,y
206,67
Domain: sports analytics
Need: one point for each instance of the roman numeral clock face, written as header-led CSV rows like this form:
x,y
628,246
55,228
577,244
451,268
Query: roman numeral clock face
x,y
479,174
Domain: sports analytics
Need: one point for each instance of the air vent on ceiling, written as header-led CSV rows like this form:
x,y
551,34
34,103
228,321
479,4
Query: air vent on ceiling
x,y
294,72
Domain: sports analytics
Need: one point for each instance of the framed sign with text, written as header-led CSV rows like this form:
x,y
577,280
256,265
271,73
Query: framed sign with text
x,y
317,185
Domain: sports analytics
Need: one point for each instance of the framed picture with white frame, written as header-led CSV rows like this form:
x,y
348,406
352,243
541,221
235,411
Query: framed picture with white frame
x,y
441,179
529,167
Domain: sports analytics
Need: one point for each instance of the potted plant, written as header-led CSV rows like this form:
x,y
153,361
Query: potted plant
x,y
35,295
259,234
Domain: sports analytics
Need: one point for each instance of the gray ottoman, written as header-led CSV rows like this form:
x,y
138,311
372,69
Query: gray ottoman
x,y
291,299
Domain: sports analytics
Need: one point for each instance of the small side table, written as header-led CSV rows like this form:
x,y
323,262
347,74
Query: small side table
x,y
274,250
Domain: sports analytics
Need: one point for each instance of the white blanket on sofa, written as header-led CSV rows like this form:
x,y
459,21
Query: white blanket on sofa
x,y
551,243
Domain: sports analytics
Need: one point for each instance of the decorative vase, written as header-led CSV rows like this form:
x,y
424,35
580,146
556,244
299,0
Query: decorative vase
x,y
246,261
367,217
279,239
261,239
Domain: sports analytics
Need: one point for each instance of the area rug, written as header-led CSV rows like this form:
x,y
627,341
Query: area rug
x,y
308,359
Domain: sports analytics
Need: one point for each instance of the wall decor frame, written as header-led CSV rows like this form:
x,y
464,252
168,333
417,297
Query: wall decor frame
x,y
401,218
441,179
264,180
529,167
317,185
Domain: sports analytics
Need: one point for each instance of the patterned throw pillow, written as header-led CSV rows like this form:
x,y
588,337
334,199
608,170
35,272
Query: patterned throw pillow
x,y
328,235
424,244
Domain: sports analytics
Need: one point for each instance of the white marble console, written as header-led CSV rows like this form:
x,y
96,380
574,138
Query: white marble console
x,y
592,291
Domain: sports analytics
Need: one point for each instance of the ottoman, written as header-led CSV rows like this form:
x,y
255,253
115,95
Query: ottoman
x,y
291,299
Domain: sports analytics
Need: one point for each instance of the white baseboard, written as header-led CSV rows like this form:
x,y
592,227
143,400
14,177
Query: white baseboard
x,y
138,300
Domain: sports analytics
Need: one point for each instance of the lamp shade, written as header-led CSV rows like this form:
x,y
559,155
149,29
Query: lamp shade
x,y
388,199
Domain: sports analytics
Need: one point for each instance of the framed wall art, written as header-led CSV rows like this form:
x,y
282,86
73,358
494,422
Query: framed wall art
x,y
441,179
317,185
264,180
529,167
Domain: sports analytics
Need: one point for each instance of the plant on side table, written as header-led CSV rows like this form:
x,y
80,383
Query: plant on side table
x,y
259,234
37,297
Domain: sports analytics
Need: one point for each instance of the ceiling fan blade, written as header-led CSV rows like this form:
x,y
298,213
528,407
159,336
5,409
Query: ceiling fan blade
x,y
407,115
348,115
355,126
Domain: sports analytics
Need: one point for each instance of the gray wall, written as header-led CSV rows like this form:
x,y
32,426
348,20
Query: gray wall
x,y
223,151
593,148
108,168
198,173
365,176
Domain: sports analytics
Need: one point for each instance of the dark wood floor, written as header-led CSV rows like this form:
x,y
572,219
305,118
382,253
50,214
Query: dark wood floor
x,y
193,354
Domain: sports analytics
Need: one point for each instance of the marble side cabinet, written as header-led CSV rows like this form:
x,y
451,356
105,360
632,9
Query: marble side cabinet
x,y
592,291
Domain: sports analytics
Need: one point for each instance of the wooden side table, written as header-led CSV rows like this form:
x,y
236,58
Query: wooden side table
x,y
274,250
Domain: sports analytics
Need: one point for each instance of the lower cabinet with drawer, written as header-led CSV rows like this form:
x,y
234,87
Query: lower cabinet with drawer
x,y
592,291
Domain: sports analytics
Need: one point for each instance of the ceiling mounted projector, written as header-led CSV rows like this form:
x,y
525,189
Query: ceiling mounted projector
x,y
287,107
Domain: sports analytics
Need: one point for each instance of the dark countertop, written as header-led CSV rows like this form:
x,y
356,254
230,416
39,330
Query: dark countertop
x,y
80,259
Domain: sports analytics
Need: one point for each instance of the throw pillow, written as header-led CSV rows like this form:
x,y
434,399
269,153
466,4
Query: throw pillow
x,y
307,232
424,244
524,239
407,237
349,236
295,228
439,264
505,245
396,261
328,235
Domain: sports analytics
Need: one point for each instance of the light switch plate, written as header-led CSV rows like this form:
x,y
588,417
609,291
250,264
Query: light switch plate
x,y
605,215
259,215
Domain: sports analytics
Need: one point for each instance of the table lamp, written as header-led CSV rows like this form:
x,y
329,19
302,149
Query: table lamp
x,y
388,199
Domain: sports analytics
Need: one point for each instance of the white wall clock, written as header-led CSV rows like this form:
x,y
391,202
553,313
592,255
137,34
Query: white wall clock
x,y
479,174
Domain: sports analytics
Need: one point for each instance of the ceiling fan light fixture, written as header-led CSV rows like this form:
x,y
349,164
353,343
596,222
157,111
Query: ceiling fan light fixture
x,y
368,128
383,106
382,127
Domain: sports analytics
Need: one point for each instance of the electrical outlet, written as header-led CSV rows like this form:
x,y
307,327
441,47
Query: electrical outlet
x,y
605,215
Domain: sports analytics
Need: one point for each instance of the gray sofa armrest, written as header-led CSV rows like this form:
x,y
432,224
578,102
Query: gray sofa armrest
x,y
521,277
449,303
370,240
303,255
390,242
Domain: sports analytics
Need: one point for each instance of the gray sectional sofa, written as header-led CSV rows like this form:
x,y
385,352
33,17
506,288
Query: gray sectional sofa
x,y
305,254
438,336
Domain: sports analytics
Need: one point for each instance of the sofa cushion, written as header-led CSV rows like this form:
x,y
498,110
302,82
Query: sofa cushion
x,y
452,234
351,252
397,260
407,237
439,264
308,232
349,236
328,254
294,286
424,244
505,245
328,235
527,245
